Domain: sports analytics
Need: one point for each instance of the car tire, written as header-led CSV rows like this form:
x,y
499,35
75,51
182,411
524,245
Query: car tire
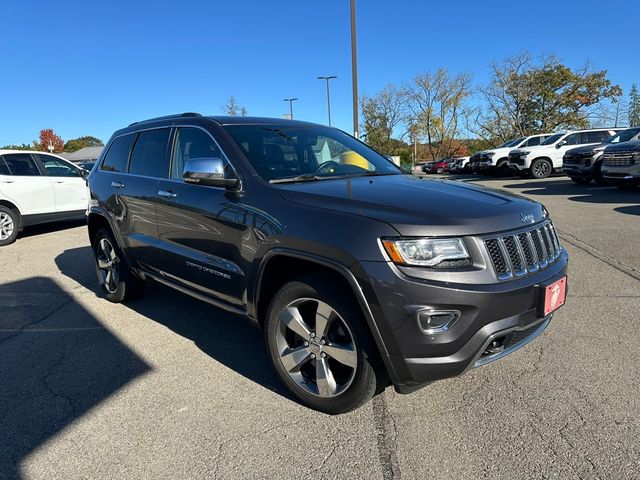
x,y
117,282
581,180
9,221
502,169
541,168
440,170
333,377
597,175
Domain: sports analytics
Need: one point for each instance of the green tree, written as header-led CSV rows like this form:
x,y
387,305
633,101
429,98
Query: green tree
x,y
82,142
527,96
634,106
381,114
233,108
436,102
24,146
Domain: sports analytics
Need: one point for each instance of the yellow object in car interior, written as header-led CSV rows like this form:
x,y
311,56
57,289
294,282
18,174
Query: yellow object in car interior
x,y
352,158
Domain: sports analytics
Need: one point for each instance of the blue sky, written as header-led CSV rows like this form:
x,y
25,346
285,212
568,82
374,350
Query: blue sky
x,y
88,68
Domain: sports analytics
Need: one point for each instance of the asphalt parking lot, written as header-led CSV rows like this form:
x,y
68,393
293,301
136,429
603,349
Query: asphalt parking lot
x,y
168,387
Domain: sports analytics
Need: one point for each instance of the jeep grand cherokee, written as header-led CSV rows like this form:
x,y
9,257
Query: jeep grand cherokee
x,y
359,274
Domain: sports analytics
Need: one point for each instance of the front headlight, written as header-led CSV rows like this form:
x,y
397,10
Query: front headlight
x,y
525,152
489,154
425,252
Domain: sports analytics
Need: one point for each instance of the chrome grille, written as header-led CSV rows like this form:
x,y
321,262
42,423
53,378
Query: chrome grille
x,y
524,252
618,159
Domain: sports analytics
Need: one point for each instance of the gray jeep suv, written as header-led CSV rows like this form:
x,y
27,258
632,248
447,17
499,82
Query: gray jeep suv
x,y
360,276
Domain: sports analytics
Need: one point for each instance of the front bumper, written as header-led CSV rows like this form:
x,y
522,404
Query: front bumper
x,y
580,171
518,163
624,174
504,309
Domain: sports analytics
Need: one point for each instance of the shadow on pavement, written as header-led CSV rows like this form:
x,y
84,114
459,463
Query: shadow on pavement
x,y
226,338
50,227
53,367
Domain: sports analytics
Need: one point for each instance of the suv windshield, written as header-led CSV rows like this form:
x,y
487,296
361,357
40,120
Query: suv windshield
x,y
623,136
509,143
281,153
553,139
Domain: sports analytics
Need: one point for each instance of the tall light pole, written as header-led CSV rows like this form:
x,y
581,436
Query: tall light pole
x,y
354,68
290,100
328,95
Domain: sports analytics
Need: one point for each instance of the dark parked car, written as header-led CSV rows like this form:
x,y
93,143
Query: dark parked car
x,y
359,274
584,164
621,164
86,165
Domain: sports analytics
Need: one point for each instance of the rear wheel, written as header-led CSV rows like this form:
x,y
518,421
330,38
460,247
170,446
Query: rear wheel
x,y
440,170
541,168
116,280
9,220
320,346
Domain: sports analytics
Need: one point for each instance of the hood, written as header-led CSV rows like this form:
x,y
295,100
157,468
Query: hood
x,y
586,149
633,146
416,207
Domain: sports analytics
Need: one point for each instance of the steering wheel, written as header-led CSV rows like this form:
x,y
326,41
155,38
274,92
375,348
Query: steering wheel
x,y
327,167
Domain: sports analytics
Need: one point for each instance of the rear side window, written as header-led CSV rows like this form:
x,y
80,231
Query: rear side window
x,y
149,155
192,143
595,137
4,169
21,165
534,141
116,158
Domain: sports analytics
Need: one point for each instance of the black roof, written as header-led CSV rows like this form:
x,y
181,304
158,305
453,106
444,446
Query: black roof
x,y
237,120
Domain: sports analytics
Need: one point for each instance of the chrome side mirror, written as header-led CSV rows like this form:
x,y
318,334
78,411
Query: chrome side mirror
x,y
208,171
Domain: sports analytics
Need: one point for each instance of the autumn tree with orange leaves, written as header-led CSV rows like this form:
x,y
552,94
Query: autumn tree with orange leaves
x,y
49,139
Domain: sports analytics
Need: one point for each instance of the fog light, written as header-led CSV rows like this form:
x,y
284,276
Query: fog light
x,y
437,321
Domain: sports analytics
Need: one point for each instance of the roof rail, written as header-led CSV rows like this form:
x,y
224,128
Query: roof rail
x,y
167,117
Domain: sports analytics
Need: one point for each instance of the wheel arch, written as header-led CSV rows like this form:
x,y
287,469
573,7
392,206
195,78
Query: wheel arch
x,y
14,207
280,266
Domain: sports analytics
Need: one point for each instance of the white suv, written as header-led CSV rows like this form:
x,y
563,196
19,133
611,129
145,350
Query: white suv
x,y
496,159
542,160
37,187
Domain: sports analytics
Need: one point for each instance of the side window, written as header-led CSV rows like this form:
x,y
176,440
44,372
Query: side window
x,y
4,168
596,137
191,143
534,141
116,158
573,139
149,155
21,165
57,168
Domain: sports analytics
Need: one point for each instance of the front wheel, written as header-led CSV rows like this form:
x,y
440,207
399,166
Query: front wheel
x,y
116,280
541,168
8,225
320,346
597,175
581,180
440,170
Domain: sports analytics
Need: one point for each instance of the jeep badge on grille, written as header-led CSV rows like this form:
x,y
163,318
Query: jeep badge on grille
x,y
527,218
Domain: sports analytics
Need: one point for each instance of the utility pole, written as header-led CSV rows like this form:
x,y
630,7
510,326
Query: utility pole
x,y
328,95
290,100
354,68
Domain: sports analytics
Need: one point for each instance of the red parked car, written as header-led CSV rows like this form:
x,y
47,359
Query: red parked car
x,y
439,166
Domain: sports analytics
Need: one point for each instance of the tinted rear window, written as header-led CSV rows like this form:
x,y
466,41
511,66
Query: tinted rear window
x,y
118,154
21,164
149,156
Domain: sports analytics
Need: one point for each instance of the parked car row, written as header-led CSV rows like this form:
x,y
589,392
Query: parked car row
x,y
603,155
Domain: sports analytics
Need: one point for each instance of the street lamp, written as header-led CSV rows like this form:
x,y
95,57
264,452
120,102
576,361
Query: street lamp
x,y
354,68
290,100
328,95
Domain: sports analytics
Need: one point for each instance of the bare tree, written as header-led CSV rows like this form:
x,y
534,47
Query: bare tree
x,y
436,104
233,108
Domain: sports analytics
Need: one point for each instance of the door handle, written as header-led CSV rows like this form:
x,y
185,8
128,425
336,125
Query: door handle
x,y
58,181
165,194
8,181
117,184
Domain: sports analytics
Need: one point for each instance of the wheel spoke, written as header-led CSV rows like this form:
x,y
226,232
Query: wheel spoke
x,y
102,263
342,353
293,359
323,318
293,320
107,280
324,378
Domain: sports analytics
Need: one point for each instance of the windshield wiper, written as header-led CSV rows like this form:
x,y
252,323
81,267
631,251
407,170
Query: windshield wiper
x,y
307,177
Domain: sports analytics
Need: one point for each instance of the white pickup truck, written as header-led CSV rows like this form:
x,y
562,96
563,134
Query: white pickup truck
x,y
496,159
540,161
